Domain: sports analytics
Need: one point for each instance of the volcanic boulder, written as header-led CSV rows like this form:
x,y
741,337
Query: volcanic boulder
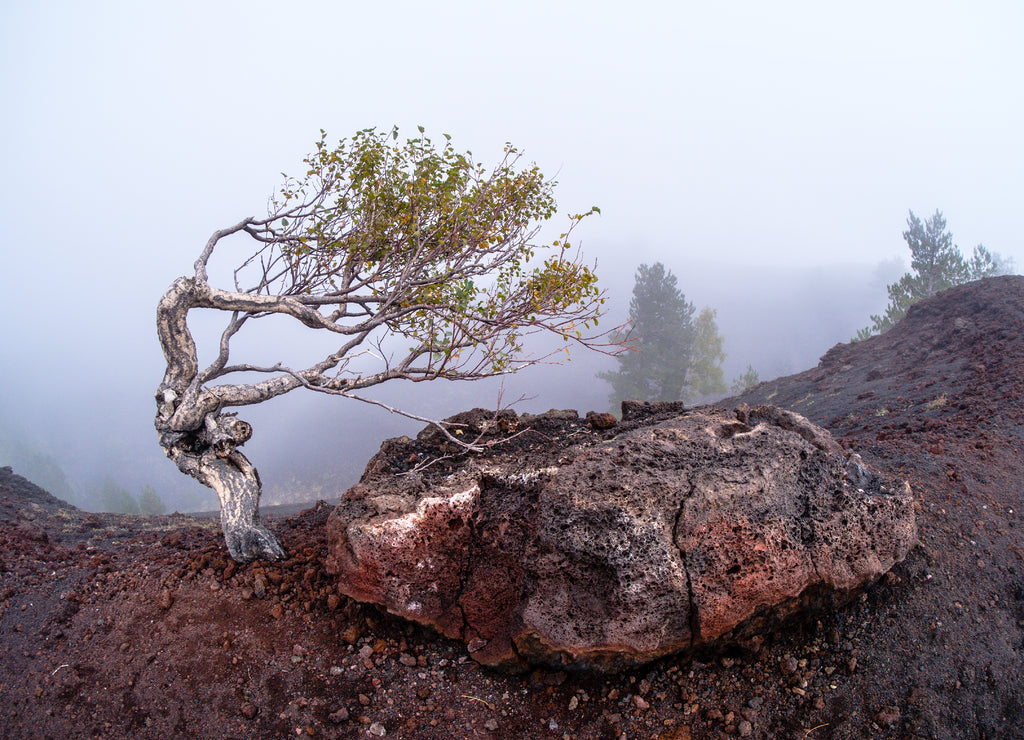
x,y
573,546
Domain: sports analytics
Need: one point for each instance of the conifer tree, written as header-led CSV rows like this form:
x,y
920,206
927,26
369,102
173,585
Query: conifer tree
x,y
936,264
675,357
707,379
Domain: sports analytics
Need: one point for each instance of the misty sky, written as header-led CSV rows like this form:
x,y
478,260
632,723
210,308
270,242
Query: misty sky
x,y
714,137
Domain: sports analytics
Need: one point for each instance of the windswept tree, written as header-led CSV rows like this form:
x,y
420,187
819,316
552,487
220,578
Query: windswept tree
x,y
675,356
419,261
936,264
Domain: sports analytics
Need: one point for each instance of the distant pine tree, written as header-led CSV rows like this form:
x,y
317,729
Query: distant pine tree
x,y
748,379
707,379
116,500
150,502
936,264
675,356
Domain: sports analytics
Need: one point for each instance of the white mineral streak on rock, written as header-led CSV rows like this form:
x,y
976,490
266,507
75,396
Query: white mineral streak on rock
x,y
398,530
523,478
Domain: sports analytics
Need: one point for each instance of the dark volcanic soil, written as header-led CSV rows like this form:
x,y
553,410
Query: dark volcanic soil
x,y
118,626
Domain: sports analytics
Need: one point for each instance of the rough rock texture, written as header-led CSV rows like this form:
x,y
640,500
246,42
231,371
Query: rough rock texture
x,y
578,545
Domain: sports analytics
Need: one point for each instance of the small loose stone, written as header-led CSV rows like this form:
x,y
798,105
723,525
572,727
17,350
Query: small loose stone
x,y
600,420
888,716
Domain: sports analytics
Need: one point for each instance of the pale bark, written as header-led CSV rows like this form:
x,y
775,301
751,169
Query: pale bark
x,y
358,301
202,440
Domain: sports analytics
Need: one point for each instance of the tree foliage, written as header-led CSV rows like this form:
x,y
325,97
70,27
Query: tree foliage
x,y
378,239
150,502
113,498
706,379
429,244
676,356
746,380
936,264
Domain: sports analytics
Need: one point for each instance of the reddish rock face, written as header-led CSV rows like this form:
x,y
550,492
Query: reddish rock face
x,y
571,545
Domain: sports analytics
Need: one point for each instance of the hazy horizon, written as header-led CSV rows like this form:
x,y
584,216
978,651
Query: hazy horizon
x,y
767,154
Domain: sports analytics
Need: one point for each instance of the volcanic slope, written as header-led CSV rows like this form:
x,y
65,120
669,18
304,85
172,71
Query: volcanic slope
x,y
117,626
939,400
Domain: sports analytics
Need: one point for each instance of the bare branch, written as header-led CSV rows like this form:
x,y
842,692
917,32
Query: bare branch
x,y
232,328
378,239
204,256
347,394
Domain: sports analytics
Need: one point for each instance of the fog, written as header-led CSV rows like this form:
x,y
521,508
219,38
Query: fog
x,y
766,154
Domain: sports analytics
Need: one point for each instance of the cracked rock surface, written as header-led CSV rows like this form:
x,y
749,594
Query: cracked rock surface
x,y
575,545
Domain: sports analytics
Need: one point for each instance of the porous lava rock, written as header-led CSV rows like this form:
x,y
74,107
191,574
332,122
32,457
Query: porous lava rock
x,y
577,546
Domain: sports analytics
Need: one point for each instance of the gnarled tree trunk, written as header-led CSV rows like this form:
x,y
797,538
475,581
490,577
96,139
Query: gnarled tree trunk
x,y
202,440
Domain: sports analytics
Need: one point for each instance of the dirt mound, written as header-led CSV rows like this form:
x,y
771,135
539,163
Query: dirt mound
x,y
21,499
117,626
